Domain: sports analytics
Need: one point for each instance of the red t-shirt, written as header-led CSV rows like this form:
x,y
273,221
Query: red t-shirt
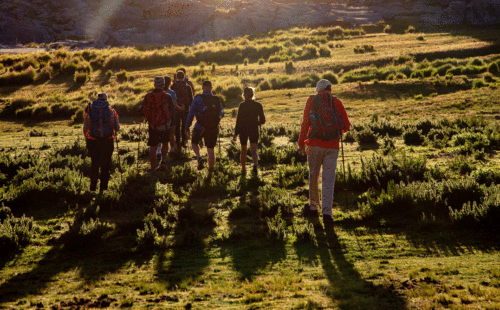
x,y
307,126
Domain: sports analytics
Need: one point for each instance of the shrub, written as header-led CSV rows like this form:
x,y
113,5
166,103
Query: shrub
x,y
121,76
289,68
488,78
366,136
413,136
25,77
330,76
324,52
245,62
494,68
410,29
81,77
388,29
15,233
277,227
261,61
420,38
147,237
478,84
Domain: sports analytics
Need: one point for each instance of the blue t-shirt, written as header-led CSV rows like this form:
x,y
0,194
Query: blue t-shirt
x,y
172,94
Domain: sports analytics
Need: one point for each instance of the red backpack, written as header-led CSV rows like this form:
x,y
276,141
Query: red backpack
x,y
184,93
325,119
153,108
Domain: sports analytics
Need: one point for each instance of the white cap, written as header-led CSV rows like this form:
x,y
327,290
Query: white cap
x,y
322,84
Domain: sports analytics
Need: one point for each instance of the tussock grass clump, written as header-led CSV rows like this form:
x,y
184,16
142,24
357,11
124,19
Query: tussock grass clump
x,y
440,199
413,136
15,233
25,77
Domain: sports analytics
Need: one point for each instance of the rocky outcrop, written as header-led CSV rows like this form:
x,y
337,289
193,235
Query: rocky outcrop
x,y
159,22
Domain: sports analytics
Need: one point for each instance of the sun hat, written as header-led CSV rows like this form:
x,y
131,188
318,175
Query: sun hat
x,y
322,85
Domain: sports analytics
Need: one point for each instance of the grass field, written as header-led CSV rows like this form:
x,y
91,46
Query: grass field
x,y
416,207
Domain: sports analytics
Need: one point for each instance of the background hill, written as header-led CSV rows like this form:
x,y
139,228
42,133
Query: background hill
x,y
158,22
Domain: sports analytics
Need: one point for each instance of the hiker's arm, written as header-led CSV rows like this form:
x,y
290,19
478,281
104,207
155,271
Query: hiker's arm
x,y
192,112
237,127
86,122
221,111
306,122
117,121
192,89
262,118
346,124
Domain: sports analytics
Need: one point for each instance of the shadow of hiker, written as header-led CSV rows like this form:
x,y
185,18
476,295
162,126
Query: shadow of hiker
x,y
189,257
347,287
93,262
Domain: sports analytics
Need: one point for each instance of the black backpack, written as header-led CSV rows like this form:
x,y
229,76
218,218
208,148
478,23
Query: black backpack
x,y
210,117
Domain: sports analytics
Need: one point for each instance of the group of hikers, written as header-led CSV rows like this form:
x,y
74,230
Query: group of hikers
x,y
171,108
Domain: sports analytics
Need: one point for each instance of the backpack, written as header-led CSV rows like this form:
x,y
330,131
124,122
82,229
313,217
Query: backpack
x,y
184,93
101,120
210,117
153,110
324,118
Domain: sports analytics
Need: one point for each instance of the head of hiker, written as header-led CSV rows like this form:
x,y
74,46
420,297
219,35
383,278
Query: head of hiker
x,y
207,86
102,96
249,93
159,82
323,85
168,81
180,75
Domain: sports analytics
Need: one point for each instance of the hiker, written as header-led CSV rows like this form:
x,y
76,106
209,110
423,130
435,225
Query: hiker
x,y
187,80
323,122
208,111
158,107
250,117
99,127
184,94
172,94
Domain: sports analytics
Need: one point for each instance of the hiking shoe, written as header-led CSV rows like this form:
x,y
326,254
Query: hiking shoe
x,y
327,220
307,212
201,161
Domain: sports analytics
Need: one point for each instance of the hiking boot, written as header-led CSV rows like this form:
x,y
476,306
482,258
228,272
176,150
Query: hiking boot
x,y
201,161
93,186
307,212
327,220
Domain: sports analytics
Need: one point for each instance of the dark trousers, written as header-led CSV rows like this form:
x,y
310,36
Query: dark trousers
x,y
180,124
100,151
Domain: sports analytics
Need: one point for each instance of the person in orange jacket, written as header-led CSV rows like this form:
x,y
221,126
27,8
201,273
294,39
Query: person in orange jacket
x,y
324,120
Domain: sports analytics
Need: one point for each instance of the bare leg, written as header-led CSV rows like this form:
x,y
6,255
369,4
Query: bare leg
x,y
243,157
211,157
196,150
164,151
152,156
255,155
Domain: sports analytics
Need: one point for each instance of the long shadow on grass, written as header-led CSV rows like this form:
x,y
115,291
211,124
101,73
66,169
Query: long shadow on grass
x,y
348,289
93,262
248,245
92,256
189,257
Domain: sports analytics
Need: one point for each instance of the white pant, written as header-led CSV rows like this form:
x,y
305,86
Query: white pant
x,y
316,158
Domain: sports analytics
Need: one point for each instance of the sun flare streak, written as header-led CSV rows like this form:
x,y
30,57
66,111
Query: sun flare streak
x,y
106,12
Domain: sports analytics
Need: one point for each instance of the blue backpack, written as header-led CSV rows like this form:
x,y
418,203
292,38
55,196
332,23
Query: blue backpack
x,y
101,120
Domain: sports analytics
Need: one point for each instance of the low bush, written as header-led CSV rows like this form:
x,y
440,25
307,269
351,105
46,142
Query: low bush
x,y
22,78
15,233
413,136
366,136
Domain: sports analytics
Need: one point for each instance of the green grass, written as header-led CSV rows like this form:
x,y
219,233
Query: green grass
x,y
223,240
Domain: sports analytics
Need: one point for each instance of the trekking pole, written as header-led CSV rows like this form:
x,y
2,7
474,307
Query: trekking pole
x,y
119,161
139,144
220,152
343,165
